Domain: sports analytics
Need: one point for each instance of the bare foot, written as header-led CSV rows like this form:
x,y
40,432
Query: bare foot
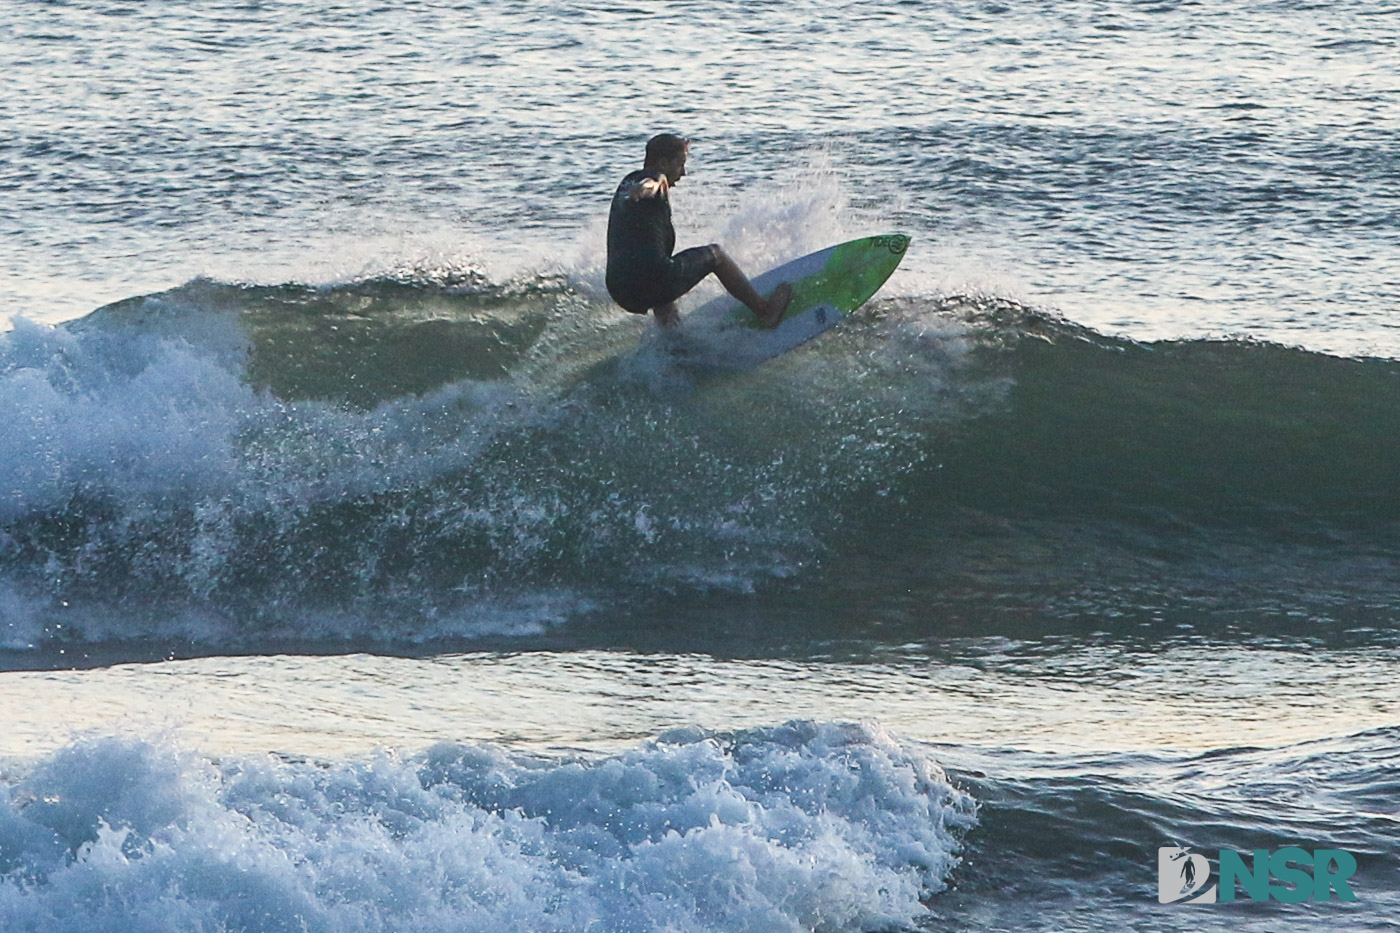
x,y
777,304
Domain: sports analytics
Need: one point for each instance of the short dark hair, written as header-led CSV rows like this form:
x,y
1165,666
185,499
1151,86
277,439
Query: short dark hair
x,y
666,146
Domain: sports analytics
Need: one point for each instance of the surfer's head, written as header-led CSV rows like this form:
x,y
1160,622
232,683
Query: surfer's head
x,y
667,152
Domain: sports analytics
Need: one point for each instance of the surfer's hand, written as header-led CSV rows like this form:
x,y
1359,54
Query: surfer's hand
x,y
649,188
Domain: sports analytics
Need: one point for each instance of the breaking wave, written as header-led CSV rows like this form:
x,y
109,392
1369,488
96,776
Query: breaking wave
x,y
805,826
404,460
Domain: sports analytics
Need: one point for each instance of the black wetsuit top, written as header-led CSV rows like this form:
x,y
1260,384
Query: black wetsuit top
x,y
642,273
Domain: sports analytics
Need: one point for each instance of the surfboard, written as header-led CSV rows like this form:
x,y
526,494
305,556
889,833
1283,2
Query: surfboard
x,y
826,287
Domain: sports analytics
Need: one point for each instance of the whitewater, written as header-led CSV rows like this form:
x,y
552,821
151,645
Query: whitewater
x,y
364,568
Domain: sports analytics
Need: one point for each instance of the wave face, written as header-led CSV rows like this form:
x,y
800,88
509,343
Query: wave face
x,y
1220,432
804,826
406,460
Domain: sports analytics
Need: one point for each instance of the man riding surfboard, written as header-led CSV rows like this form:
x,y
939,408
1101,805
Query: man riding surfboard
x,y
644,273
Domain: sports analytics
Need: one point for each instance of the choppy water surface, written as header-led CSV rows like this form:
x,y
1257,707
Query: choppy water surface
x,y
1167,169
363,568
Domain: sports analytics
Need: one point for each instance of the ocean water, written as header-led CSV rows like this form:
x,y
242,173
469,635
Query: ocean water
x,y
363,568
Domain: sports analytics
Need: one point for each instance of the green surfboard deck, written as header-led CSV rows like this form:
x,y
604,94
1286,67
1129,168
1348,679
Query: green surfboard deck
x,y
826,286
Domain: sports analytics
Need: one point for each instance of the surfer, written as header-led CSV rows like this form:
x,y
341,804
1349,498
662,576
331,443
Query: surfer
x,y
643,274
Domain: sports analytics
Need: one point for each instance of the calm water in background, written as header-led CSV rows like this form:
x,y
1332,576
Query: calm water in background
x,y
482,614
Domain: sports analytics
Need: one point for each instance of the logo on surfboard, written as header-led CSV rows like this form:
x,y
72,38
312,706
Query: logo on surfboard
x,y
895,243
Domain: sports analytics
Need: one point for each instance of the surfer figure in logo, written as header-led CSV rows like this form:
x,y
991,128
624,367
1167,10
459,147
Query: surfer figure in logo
x,y
643,273
1188,871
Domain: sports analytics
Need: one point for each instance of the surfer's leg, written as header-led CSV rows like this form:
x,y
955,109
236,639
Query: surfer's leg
x,y
768,310
667,315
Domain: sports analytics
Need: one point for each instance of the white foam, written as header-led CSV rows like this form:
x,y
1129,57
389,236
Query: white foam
x,y
81,411
161,430
807,826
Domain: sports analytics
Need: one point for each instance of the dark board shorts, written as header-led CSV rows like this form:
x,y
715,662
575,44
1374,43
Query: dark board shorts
x,y
643,290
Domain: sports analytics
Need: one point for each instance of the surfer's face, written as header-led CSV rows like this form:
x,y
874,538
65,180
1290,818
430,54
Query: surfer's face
x,y
674,167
